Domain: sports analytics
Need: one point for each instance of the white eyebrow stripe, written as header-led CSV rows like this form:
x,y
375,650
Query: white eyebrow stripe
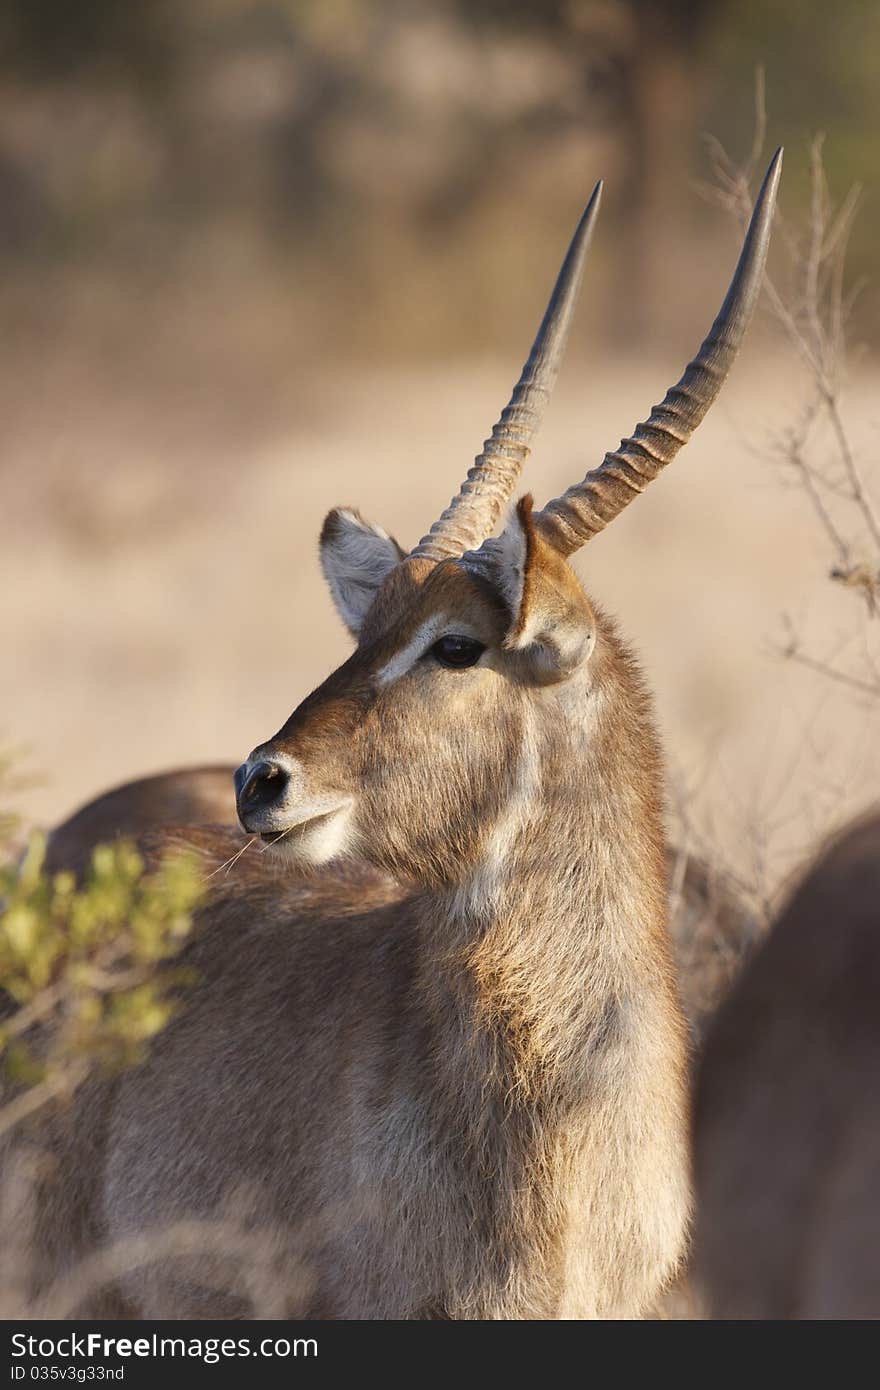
x,y
417,645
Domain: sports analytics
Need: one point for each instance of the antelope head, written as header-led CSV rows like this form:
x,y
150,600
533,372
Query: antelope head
x,y
475,653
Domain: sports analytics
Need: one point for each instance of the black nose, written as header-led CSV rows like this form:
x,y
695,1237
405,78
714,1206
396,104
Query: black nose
x,y
260,786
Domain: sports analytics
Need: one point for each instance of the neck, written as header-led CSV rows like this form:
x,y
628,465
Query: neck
x,y
553,1040
557,940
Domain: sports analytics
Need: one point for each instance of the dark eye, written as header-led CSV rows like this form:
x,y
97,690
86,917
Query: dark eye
x,y
456,651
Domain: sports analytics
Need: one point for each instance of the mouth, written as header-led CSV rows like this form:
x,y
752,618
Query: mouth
x,y
294,832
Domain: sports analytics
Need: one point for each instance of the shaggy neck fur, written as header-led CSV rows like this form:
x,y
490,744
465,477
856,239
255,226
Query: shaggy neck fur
x,y
553,958
565,915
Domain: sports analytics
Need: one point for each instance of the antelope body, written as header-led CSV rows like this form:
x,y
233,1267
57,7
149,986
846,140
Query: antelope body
x,y
464,1097
187,796
787,1123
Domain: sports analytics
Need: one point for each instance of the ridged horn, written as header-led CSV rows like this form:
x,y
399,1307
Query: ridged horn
x,y
584,510
471,516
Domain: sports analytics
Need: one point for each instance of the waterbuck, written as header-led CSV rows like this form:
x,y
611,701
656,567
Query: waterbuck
x,y
438,1049
787,1122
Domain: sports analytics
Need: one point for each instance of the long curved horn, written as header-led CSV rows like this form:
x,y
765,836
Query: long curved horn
x,y
471,515
584,510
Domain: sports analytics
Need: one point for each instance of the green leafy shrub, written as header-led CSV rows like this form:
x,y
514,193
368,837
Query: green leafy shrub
x,y
86,970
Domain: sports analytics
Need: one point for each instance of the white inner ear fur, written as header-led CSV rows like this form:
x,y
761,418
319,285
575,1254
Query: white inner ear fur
x,y
555,644
356,556
510,572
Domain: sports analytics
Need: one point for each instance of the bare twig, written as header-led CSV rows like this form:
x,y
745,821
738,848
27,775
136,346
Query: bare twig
x,y
833,673
813,314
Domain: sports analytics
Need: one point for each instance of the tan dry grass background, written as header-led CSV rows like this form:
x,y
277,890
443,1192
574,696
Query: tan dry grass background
x,y
162,601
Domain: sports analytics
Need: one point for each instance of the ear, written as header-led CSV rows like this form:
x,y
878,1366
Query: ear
x,y
355,557
552,623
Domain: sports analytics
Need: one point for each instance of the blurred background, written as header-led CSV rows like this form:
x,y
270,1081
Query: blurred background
x,y
260,257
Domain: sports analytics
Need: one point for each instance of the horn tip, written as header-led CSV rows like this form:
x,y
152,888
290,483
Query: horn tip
x,y
774,169
592,206
765,203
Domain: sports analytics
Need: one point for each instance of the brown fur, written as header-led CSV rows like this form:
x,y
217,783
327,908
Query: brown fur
x,y
787,1124
463,1097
